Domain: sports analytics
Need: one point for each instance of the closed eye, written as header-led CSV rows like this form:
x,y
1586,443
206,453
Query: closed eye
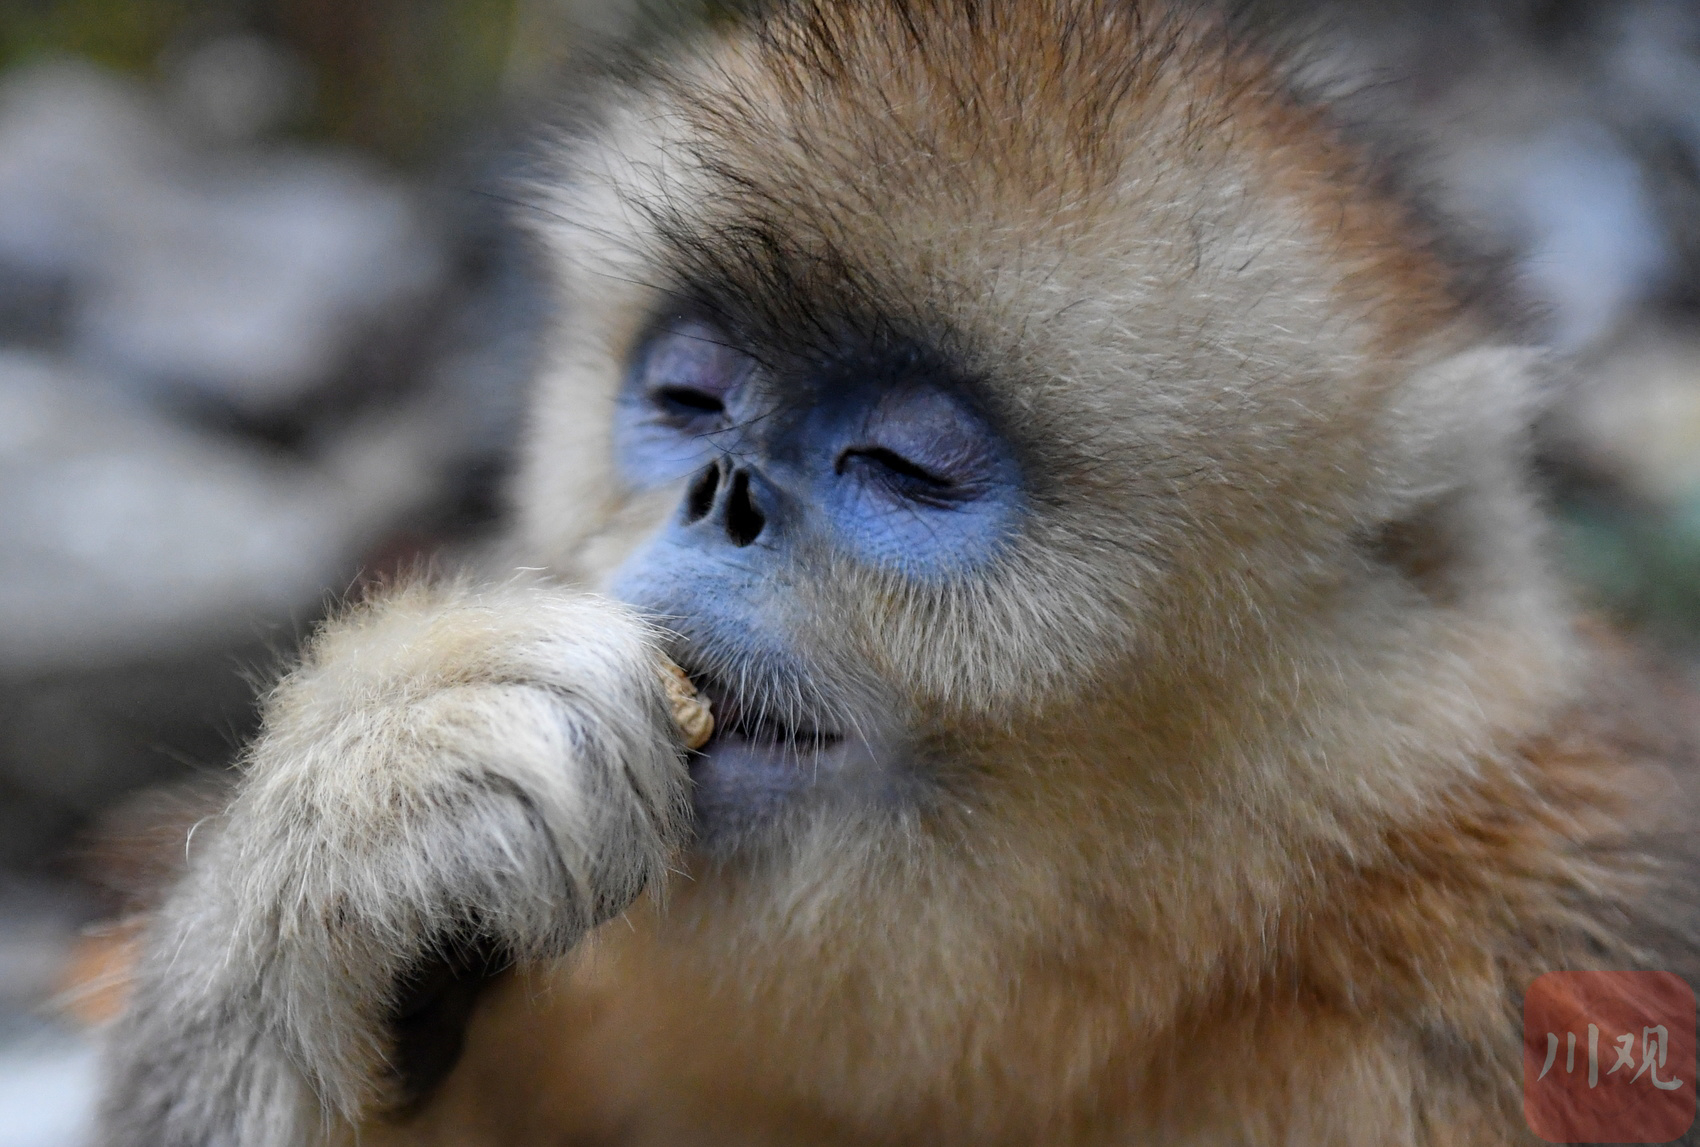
x,y
687,402
687,376
901,475
683,387
891,460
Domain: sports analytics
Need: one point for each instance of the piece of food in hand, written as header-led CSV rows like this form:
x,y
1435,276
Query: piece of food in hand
x,y
690,708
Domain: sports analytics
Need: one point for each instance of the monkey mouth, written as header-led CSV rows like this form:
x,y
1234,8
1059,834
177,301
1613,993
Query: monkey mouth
x,y
739,722
766,757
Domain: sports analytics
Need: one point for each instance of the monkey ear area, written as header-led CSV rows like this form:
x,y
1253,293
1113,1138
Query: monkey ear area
x,y
1452,479
1467,411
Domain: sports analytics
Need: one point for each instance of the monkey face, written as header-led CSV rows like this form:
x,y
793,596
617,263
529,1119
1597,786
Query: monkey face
x,y
802,466
874,453
911,409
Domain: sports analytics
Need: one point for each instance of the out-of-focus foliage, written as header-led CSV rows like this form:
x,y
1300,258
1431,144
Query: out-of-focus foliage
x,y
394,77
401,79
120,35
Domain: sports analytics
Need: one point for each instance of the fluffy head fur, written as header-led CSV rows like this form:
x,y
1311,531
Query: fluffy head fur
x,y
1220,355
1280,547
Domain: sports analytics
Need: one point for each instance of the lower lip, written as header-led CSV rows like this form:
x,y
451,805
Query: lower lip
x,y
739,784
733,747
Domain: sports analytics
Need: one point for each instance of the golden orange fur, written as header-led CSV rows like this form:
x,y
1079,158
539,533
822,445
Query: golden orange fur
x,y
1250,946
1268,769
1373,1002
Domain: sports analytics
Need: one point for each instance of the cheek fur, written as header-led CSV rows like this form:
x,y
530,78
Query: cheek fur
x,y
1014,636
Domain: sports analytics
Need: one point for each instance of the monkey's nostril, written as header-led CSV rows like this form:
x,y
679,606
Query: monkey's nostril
x,y
744,522
699,499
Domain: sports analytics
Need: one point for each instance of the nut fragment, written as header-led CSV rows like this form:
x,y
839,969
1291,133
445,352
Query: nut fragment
x,y
690,708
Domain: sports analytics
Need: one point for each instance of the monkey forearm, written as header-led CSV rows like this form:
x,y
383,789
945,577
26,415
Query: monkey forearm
x,y
446,768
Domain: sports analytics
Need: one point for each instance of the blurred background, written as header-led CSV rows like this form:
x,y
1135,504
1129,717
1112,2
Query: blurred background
x,y
266,324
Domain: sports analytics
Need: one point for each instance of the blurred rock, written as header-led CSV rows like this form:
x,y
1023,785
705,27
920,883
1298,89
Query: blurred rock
x,y
39,923
247,365
122,532
237,87
47,1065
1621,448
73,741
47,1088
1570,198
235,377
241,276
1566,136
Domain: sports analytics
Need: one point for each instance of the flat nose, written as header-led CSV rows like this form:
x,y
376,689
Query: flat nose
x,y
722,492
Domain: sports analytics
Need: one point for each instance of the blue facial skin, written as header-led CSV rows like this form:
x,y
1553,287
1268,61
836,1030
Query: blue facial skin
x,y
891,465
876,459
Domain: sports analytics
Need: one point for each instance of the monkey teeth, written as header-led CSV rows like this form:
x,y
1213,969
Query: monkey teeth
x,y
692,712
734,719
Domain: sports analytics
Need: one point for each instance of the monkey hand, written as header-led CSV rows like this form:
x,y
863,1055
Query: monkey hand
x,y
452,780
